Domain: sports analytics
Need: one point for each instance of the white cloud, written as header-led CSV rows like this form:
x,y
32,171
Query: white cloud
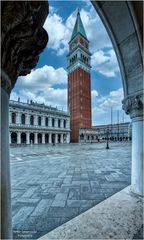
x,y
105,63
60,31
49,96
42,78
39,86
94,93
113,99
101,108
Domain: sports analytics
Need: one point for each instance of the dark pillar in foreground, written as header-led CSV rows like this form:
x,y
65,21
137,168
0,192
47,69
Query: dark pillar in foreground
x,y
23,39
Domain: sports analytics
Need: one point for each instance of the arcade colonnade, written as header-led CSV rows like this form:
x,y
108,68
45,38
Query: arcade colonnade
x,y
38,138
23,38
33,123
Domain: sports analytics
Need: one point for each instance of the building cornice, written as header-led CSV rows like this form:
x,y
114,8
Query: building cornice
x,y
37,107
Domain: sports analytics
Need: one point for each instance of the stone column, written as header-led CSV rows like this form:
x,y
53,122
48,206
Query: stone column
x,y
36,138
5,164
27,138
134,106
18,120
43,138
43,121
68,138
9,137
35,120
56,138
27,119
67,124
56,122
19,138
50,138
61,138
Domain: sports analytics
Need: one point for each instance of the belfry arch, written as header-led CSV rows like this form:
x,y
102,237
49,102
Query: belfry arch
x,y
23,39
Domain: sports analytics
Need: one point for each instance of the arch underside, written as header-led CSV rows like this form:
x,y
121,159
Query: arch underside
x,y
123,21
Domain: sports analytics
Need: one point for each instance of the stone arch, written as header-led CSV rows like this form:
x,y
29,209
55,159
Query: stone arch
x,y
82,136
59,123
31,120
32,138
39,120
64,123
46,138
126,35
46,121
59,138
53,138
53,122
64,138
23,118
39,138
13,117
23,138
13,137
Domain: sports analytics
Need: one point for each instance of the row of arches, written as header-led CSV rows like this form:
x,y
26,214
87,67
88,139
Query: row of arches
x,y
37,138
83,58
97,138
39,120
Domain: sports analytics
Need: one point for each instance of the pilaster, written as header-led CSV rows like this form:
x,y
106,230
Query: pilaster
x,y
27,138
19,137
36,138
56,138
50,138
56,122
61,138
43,121
43,138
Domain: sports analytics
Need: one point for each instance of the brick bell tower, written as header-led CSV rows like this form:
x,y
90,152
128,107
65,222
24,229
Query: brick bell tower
x,y
79,82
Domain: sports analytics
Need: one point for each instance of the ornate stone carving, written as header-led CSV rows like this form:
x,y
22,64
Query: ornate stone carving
x,y
23,37
133,105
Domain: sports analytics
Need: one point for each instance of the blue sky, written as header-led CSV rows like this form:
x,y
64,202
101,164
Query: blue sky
x,y
48,81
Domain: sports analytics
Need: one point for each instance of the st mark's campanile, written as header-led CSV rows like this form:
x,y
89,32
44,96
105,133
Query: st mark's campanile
x,y
79,80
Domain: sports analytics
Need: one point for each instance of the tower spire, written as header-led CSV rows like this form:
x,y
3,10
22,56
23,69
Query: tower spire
x,y
78,11
78,27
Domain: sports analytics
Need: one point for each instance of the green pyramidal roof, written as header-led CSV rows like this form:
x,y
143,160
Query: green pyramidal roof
x,y
78,28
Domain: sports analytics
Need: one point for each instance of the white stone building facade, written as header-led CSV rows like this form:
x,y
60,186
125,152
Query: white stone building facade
x,y
114,132
33,123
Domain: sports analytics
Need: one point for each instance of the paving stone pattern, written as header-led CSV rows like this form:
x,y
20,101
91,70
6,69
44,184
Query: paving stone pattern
x,y
53,184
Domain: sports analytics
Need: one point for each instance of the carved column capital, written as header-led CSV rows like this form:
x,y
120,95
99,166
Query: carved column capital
x,y
23,38
133,105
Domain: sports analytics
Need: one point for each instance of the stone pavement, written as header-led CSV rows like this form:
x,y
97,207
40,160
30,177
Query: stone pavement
x,y
51,185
